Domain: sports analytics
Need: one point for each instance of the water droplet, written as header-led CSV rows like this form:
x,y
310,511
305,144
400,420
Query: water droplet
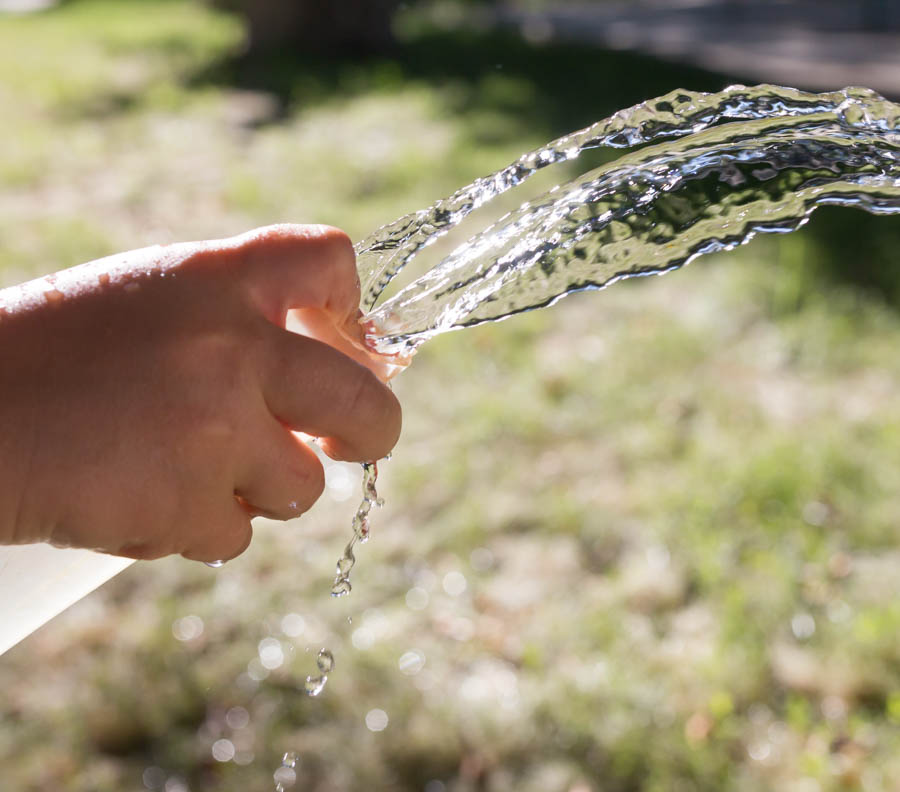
x,y
315,685
417,598
325,661
285,777
223,750
410,663
54,296
271,653
455,583
187,628
839,611
376,720
293,624
237,718
803,625
154,777
345,564
175,784
214,564
363,638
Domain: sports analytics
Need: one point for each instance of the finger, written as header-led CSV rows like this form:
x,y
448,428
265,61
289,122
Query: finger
x,y
303,266
316,389
222,533
317,324
284,477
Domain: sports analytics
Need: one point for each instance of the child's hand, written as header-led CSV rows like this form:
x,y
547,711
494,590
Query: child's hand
x,y
146,400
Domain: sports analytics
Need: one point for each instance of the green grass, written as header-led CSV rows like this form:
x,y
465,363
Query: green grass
x,y
652,492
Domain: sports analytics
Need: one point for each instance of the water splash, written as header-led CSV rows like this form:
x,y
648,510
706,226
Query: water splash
x,y
360,526
750,160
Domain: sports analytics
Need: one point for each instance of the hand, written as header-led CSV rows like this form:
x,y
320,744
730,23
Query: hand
x,y
147,399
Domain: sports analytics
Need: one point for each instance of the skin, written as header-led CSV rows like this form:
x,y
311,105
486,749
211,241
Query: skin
x,y
149,401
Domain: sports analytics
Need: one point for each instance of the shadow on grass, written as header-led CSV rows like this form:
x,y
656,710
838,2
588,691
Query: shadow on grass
x,y
554,88
854,248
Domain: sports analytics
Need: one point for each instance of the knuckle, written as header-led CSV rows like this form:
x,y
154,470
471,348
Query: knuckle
x,y
336,252
333,243
336,243
329,242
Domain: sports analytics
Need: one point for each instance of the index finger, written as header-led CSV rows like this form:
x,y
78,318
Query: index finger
x,y
313,388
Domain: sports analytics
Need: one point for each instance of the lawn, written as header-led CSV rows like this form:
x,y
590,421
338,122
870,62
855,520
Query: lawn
x,y
643,540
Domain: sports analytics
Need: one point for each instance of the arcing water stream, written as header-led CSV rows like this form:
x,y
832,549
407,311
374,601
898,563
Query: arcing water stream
x,y
743,161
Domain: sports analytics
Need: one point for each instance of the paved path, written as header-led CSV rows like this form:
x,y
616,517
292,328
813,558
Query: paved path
x,y
819,45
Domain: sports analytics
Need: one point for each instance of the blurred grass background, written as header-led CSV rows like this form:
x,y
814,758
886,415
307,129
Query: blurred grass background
x,y
643,540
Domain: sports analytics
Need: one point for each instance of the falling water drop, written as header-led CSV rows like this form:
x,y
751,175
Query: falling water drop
x,y
314,685
325,661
